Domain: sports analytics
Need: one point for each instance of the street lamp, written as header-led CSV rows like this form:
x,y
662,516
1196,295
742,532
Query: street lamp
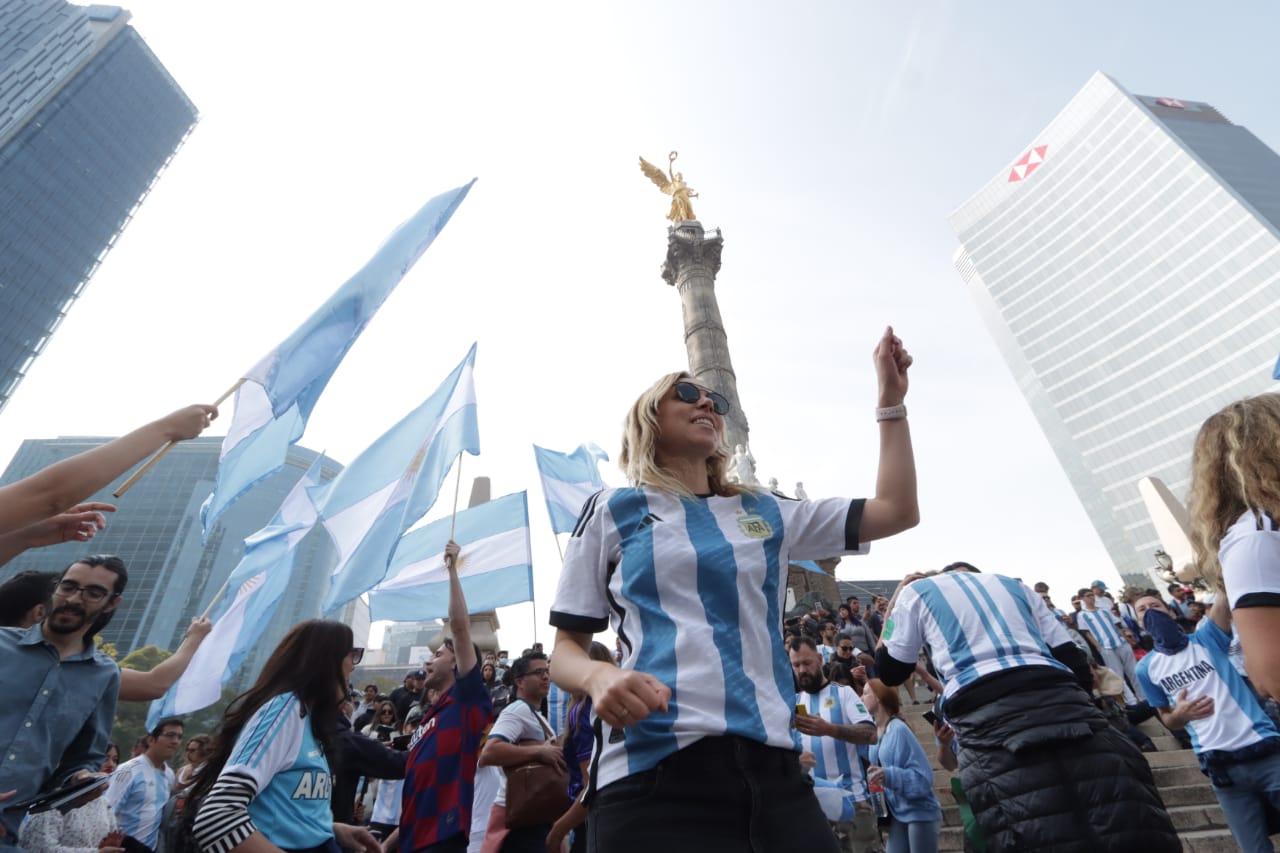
x,y
1164,566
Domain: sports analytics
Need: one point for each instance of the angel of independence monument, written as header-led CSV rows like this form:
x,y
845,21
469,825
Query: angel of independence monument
x,y
693,260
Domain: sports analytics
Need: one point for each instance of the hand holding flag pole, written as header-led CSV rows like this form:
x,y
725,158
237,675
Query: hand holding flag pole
x,y
137,475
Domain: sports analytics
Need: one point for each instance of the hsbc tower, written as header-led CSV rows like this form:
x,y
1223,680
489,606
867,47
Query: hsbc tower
x,y
1127,264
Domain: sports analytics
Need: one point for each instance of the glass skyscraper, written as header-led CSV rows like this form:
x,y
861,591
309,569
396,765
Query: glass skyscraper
x,y
88,119
156,531
1127,264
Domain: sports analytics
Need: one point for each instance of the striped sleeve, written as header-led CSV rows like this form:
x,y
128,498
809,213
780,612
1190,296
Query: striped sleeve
x,y
222,820
581,604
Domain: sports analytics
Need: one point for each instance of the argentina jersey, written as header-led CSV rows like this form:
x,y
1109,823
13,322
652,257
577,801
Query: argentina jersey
x,y
278,752
695,588
1102,625
1248,554
837,761
1204,668
137,794
975,625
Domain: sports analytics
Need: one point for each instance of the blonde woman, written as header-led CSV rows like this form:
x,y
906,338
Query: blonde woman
x,y
1235,510
694,747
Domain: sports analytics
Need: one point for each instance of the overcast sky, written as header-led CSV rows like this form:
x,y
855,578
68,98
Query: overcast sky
x,y
828,141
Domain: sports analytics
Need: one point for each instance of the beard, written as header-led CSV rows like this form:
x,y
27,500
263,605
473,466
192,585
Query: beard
x,y
810,683
78,619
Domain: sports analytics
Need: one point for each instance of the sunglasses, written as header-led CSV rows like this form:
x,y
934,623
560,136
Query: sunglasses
x,y
357,655
687,392
846,648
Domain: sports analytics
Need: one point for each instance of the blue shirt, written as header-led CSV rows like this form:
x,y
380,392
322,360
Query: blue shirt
x,y
908,778
138,793
56,716
1103,627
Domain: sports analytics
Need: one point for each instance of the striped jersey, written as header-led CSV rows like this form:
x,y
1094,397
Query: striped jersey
x,y
1249,553
1203,668
695,589
279,754
137,794
837,761
975,625
1102,624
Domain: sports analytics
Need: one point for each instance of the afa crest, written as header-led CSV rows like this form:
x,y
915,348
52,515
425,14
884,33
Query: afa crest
x,y
755,526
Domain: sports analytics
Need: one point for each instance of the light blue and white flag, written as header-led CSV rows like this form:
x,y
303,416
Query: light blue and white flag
x,y
255,588
279,392
495,568
568,479
394,482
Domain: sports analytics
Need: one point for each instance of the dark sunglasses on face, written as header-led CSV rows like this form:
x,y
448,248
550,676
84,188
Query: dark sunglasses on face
x,y
357,655
846,648
687,392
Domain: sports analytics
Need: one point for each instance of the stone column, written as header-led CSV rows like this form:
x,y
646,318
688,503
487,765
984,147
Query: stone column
x,y
693,259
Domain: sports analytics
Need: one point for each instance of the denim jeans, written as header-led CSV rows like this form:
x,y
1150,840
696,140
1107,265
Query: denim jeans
x,y
1253,784
917,836
718,795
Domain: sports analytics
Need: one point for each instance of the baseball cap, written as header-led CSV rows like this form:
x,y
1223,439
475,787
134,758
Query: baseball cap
x,y
1099,584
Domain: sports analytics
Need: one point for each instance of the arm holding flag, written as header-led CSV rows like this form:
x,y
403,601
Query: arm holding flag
x,y
66,483
459,619
138,686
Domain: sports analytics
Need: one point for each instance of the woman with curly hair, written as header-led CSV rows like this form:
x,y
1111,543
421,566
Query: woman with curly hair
x,y
267,783
1235,509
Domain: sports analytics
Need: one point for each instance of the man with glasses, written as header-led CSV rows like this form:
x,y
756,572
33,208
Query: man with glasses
x,y
520,735
140,787
60,692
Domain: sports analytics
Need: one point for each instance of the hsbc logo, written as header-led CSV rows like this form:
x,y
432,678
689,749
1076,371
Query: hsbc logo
x,y
1028,163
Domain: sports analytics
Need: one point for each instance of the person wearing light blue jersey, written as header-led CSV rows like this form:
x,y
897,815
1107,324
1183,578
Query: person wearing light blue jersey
x,y
899,764
694,748
141,786
267,785
1191,683
1041,766
1115,651
832,723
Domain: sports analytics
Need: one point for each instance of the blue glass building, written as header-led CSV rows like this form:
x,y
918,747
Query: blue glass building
x,y
88,120
172,576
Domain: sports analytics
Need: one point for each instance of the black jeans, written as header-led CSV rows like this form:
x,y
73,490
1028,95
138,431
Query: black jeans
x,y
718,795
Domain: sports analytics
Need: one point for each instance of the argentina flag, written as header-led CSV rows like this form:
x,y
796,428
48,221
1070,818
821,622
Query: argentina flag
x,y
568,479
495,568
394,482
255,587
278,394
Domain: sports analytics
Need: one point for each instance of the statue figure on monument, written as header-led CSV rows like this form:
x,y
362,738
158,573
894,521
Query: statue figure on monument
x,y
800,492
773,485
743,465
673,185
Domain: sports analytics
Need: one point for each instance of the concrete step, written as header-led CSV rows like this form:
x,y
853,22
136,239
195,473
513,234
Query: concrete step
x,y
1213,841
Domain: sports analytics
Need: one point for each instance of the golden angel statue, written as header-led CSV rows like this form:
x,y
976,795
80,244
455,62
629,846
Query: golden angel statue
x,y
673,185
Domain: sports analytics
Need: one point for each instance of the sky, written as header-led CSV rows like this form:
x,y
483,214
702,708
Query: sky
x,y
828,141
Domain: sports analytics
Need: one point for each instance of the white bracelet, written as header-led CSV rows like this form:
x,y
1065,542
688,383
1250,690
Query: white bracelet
x,y
891,413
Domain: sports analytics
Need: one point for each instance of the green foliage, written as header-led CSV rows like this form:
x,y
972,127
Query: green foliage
x,y
131,717
108,649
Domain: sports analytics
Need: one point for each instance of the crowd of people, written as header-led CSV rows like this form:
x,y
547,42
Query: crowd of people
x,y
716,723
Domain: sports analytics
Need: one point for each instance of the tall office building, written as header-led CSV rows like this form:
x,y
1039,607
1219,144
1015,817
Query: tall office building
x,y
88,119
1127,264
172,575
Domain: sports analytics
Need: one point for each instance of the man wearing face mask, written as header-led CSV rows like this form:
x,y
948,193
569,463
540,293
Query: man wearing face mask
x,y
1191,683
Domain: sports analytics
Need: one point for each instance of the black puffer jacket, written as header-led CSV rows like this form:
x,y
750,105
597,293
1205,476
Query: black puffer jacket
x,y
1044,771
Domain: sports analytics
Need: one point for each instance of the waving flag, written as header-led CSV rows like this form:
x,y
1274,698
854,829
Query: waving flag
x,y
255,587
496,566
392,484
568,479
277,395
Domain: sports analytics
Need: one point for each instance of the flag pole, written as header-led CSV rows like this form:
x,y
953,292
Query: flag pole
x,y
215,598
559,550
137,475
457,488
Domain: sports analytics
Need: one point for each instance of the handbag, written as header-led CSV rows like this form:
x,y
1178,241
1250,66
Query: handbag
x,y
537,793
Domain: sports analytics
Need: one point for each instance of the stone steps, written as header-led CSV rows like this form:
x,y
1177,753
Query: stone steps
x,y
1187,794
